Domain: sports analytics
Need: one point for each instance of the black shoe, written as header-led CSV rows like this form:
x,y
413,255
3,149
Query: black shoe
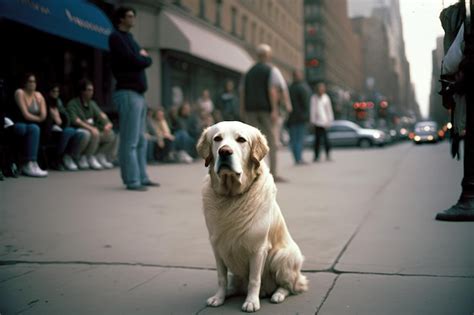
x,y
151,184
461,211
137,188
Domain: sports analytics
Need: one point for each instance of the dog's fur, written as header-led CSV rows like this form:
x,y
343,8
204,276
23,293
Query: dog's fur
x,y
247,230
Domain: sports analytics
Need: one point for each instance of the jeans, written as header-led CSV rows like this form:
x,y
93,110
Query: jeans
x,y
69,141
183,141
30,140
297,134
132,109
320,133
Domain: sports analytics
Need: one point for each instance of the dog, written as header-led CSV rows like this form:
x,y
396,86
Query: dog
x,y
247,231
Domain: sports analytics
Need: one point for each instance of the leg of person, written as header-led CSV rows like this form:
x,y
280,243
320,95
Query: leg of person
x,y
300,134
327,144
31,134
463,210
317,142
130,111
81,141
64,141
91,151
292,129
265,121
142,147
107,144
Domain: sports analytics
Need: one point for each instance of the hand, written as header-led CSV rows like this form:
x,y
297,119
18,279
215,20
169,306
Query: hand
x,y
108,127
144,53
94,131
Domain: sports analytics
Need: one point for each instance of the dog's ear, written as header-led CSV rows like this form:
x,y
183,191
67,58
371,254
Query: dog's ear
x,y
204,147
259,148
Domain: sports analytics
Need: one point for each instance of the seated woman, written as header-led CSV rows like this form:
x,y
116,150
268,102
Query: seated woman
x,y
160,139
70,142
88,117
30,112
187,128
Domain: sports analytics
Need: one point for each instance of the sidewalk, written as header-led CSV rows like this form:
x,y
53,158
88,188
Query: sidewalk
x,y
364,222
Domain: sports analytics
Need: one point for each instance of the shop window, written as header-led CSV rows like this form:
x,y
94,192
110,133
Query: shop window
x,y
244,27
218,12
233,14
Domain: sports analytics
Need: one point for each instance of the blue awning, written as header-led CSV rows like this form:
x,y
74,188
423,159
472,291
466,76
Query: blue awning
x,y
76,20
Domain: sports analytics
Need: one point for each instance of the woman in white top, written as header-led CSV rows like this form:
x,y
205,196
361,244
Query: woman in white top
x,y
31,109
321,116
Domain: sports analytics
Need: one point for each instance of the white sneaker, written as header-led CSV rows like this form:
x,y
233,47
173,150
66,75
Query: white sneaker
x,y
82,163
94,164
103,161
184,157
69,163
39,171
29,169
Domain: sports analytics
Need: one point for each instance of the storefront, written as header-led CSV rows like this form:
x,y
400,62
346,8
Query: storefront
x,y
59,41
195,57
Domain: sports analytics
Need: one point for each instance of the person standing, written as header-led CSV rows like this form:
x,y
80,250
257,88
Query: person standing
x,y
321,117
300,94
228,105
458,68
128,62
259,101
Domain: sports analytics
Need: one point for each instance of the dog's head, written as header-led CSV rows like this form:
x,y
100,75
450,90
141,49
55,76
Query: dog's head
x,y
234,151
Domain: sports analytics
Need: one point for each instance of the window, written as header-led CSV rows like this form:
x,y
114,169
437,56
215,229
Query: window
x,y
244,27
218,12
233,14
202,9
253,34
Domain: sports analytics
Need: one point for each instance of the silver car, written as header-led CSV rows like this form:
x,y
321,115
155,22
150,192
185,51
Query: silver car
x,y
347,133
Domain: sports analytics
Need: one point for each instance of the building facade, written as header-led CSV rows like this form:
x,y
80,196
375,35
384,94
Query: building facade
x,y
200,44
333,51
436,110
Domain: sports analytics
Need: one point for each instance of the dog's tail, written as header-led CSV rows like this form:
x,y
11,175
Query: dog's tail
x,y
286,266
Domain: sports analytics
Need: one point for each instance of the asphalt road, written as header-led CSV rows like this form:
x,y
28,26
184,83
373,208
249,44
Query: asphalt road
x,y
78,243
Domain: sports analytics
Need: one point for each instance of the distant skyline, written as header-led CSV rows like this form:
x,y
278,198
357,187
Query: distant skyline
x,y
421,27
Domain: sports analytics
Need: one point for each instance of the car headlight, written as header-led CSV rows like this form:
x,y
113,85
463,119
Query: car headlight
x,y
377,135
417,138
430,138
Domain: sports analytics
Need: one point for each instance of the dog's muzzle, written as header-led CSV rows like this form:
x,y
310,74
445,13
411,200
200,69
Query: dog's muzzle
x,y
225,161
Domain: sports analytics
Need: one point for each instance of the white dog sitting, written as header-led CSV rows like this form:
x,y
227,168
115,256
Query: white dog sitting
x,y
247,230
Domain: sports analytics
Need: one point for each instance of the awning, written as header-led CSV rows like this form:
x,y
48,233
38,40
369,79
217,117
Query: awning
x,y
179,34
76,20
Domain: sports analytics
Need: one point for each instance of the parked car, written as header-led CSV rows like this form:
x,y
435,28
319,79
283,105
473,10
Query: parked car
x,y
347,133
426,131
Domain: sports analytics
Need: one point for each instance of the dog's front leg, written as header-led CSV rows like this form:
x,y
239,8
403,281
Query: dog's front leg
x,y
219,297
257,262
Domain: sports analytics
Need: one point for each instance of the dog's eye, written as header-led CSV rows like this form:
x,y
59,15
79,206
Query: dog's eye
x,y
217,138
241,139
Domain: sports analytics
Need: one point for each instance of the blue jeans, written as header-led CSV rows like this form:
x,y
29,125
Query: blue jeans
x,y
183,141
297,134
69,142
132,109
30,140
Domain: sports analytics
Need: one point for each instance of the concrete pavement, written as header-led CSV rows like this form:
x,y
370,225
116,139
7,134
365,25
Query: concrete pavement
x,y
78,243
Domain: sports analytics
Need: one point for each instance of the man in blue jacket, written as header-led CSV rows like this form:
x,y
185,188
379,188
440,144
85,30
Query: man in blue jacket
x,y
129,62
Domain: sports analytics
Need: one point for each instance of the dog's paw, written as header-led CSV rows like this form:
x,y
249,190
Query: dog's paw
x,y
215,300
251,306
278,297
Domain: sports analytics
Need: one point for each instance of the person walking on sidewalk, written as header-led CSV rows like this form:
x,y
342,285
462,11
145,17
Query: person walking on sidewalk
x,y
300,94
129,62
259,100
321,117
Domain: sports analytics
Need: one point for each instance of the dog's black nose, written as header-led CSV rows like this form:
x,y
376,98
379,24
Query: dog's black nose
x,y
225,151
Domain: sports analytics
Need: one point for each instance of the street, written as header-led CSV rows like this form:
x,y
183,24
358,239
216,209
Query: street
x,y
78,243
